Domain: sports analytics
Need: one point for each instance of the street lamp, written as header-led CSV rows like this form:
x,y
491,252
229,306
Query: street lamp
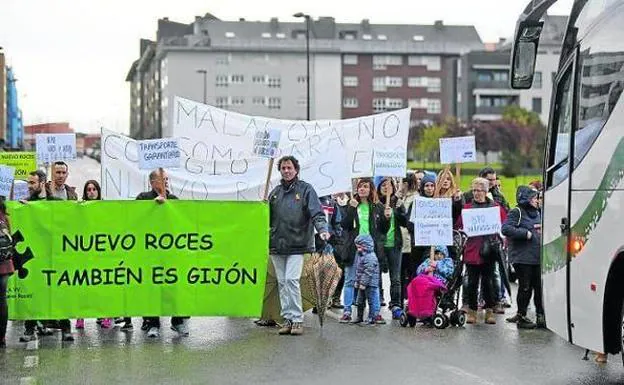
x,y
307,19
205,73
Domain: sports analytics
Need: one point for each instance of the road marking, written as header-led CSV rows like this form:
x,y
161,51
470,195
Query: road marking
x,y
31,361
462,373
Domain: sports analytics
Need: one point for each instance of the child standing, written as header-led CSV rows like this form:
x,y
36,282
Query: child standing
x,y
367,279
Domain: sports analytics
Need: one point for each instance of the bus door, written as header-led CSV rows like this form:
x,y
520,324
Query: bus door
x,y
556,205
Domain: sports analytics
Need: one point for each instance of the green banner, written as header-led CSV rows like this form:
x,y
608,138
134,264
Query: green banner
x,y
138,258
23,162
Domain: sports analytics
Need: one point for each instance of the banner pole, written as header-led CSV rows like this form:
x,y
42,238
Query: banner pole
x,y
268,179
458,173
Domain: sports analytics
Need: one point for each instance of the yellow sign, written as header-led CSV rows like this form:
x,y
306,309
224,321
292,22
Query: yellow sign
x,y
23,162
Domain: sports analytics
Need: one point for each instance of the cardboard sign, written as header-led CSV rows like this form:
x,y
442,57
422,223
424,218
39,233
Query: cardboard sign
x,y
266,142
433,221
23,162
155,153
6,180
390,163
462,149
481,221
55,147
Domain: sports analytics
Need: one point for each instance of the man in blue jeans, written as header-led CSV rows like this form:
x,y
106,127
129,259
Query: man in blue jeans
x,y
295,212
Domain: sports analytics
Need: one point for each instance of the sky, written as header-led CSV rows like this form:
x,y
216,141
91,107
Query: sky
x,y
71,57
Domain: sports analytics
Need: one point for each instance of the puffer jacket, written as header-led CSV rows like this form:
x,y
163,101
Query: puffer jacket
x,y
520,221
295,211
367,269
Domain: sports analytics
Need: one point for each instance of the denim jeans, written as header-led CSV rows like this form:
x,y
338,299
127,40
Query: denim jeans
x,y
372,296
394,265
348,290
288,270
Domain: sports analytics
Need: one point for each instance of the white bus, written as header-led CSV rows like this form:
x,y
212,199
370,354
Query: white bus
x,y
583,212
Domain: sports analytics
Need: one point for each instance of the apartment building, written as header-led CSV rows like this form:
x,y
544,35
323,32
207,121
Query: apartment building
x,y
259,68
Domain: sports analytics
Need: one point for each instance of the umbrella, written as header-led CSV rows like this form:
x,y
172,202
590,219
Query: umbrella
x,y
320,278
271,308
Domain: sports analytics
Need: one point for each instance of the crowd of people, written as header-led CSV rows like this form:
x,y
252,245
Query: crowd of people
x,y
371,234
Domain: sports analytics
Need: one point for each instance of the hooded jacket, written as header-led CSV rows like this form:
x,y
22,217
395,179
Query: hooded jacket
x,y
367,269
295,211
520,221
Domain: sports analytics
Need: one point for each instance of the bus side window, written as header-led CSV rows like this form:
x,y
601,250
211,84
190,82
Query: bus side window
x,y
557,167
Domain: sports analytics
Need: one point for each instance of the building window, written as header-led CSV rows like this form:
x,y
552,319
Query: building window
x,y
417,81
302,101
501,76
381,61
434,106
275,103
301,79
237,79
537,105
484,76
222,80
350,81
275,82
230,35
367,37
258,100
394,104
222,102
433,63
280,35
434,84
382,37
392,81
419,38
537,80
257,79
379,84
224,59
238,100
266,35
417,103
379,105
350,59
350,103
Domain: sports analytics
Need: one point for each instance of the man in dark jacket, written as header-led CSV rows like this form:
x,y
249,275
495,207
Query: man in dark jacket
x,y
159,181
37,191
523,229
57,187
498,197
295,212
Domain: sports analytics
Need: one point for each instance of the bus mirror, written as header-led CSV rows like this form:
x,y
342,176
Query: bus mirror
x,y
524,54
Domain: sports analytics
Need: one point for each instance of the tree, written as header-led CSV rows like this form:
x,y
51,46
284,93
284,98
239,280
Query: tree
x,y
429,145
530,134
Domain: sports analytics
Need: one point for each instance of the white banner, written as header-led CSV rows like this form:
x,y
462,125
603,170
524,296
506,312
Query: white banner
x,y
462,149
481,221
155,153
433,221
390,163
218,161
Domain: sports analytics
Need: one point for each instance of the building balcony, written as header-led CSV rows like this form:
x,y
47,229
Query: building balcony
x,y
492,84
489,110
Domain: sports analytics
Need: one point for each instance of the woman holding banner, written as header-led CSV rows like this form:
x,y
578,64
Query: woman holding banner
x,y
6,269
393,242
479,255
446,187
365,216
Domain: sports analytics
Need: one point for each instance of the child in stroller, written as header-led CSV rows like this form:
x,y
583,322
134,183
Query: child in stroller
x,y
432,293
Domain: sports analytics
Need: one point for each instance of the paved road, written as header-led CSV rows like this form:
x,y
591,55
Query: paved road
x,y
234,351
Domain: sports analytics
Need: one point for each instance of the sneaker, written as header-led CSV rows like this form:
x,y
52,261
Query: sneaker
x,y
296,329
107,323
80,323
127,327
525,323
153,332
29,335
379,320
396,312
67,336
371,322
514,319
44,331
345,319
505,303
286,328
499,309
181,329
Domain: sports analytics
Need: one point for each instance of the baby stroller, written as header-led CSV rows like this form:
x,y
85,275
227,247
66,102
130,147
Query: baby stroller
x,y
447,309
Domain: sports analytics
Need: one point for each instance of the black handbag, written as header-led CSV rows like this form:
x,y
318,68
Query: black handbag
x,y
490,248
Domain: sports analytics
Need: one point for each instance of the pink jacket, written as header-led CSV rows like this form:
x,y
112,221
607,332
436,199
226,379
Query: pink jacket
x,y
421,295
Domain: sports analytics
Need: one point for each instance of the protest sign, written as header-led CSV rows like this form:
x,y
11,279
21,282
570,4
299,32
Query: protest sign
x,y
481,221
390,163
433,221
217,153
458,150
6,180
55,147
23,162
177,258
266,142
20,190
155,153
